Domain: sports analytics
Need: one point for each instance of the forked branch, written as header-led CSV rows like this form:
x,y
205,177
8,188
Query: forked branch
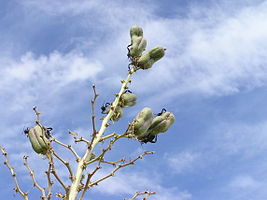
x,y
119,167
11,169
35,184
147,193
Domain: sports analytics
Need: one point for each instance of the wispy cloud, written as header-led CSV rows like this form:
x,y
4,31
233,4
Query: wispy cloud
x,y
213,50
125,183
182,162
244,182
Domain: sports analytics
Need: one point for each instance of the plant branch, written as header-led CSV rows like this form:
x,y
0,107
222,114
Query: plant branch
x,y
119,167
11,169
50,182
35,184
53,171
75,185
37,114
93,112
68,147
67,164
147,193
90,175
81,139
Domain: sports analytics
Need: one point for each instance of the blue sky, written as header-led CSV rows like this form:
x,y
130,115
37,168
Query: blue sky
x,y
213,78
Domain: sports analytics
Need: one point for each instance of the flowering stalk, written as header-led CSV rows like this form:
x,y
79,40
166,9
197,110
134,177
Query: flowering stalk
x,y
82,163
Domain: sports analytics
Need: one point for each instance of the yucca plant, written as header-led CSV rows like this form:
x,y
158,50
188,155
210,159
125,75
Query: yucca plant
x,y
144,128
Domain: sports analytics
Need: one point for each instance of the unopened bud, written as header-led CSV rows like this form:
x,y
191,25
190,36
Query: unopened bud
x,y
138,46
161,124
128,99
149,58
39,142
136,31
142,122
117,114
157,53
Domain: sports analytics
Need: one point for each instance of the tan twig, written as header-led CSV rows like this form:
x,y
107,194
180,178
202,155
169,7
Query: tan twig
x,y
86,186
81,139
35,184
119,167
93,112
67,164
68,147
53,171
114,163
74,134
101,156
100,160
11,169
147,193
107,137
37,114
50,182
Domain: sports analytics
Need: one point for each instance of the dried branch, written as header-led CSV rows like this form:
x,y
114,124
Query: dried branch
x,y
74,189
35,184
147,193
50,182
119,167
68,147
86,187
114,163
81,139
11,169
101,156
100,160
67,164
53,171
37,114
93,112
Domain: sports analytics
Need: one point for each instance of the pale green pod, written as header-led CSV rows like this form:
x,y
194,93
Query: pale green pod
x,y
142,122
118,113
34,142
149,58
145,62
40,143
128,99
161,124
138,46
136,31
157,53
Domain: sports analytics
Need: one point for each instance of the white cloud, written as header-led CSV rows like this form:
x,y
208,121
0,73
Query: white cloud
x,y
244,182
27,79
234,139
211,51
219,54
128,183
182,162
56,68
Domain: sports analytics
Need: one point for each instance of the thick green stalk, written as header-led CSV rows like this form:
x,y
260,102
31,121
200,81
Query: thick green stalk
x,y
82,163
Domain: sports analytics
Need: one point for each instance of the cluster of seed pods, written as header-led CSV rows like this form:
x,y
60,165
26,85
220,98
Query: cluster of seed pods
x,y
127,99
147,127
138,45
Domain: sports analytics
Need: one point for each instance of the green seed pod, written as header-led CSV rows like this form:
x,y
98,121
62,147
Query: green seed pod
x,y
136,31
161,124
40,143
138,46
157,53
117,114
128,99
149,58
142,122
